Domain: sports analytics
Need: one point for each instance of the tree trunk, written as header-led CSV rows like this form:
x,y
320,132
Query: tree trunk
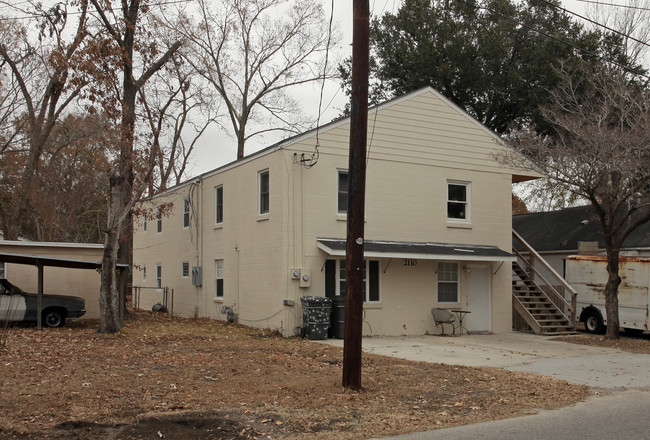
x,y
611,294
240,145
109,299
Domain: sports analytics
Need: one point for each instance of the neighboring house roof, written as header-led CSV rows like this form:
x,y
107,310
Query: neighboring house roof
x,y
36,260
562,230
425,251
52,244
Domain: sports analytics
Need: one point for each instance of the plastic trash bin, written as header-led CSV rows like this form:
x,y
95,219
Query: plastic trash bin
x,y
338,317
316,311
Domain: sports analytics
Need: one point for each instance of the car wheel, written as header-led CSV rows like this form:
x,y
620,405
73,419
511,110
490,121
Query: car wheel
x,y
53,318
594,322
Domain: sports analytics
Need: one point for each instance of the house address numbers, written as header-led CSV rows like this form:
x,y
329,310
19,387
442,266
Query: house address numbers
x,y
410,262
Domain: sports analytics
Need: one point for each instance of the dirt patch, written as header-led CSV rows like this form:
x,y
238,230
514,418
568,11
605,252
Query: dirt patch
x,y
634,343
203,379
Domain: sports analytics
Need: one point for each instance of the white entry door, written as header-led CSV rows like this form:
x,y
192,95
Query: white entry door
x,y
479,299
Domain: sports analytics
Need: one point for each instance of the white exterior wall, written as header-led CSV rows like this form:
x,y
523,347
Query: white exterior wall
x,y
419,144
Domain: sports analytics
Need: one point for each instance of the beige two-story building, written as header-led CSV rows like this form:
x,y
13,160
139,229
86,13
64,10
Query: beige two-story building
x,y
258,234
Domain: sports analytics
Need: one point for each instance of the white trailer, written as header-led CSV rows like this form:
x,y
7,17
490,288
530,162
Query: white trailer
x,y
588,276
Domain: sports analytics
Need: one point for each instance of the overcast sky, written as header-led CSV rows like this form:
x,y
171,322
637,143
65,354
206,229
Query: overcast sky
x,y
216,148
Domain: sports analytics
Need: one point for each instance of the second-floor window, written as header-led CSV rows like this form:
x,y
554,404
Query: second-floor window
x,y
159,221
343,192
264,191
186,213
218,191
185,269
458,201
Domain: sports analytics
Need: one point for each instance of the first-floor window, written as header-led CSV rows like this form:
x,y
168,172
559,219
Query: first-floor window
x,y
185,269
219,279
144,272
448,282
335,277
158,276
3,270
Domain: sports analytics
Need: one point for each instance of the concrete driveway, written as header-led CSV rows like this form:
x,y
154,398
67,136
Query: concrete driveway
x,y
593,366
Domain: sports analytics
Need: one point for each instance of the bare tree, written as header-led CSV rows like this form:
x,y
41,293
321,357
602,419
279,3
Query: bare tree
x,y
178,109
124,34
252,52
632,20
600,153
40,81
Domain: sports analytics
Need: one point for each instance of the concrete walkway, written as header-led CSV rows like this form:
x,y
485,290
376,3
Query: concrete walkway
x,y
593,366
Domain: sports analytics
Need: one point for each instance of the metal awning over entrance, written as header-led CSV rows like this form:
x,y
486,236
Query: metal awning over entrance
x,y
418,250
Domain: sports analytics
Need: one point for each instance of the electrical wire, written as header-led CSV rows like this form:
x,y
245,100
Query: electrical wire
x,y
313,160
559,40
637,8
595,23
46,15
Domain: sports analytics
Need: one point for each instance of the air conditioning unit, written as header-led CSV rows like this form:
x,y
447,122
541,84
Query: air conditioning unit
x,y
197,276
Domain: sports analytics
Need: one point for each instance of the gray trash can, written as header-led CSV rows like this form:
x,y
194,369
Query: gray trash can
x,y
338,317
316,311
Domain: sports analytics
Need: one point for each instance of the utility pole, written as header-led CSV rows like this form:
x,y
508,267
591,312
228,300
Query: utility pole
x,y
356,197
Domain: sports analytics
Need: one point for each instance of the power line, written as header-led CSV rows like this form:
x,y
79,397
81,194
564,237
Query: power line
x,y
559,40
615,5
46,15
596,23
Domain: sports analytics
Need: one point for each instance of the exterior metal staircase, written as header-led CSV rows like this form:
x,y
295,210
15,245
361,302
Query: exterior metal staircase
x,y
548,308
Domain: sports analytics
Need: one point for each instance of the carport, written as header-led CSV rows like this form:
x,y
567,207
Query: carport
x,y
41,261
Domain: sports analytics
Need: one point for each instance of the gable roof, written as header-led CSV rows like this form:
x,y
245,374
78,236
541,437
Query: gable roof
x,y
562,230
519,175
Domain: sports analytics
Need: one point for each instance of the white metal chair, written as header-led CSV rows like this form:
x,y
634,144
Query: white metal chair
x,y
442,317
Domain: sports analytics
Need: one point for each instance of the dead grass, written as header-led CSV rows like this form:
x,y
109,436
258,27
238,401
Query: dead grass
x,y
627,342
204,379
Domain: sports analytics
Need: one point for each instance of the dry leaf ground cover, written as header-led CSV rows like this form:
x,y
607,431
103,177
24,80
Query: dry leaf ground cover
x,y
203,379
639,343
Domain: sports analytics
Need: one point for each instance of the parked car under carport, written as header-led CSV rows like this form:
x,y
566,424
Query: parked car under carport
x,y
19,306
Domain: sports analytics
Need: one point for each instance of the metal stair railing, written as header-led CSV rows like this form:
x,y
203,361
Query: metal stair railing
x,y
566,306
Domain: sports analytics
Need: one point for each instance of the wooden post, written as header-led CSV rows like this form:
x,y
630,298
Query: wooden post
x,y
356,197
39,297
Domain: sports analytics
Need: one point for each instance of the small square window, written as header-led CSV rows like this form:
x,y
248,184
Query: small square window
x,y
264,192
